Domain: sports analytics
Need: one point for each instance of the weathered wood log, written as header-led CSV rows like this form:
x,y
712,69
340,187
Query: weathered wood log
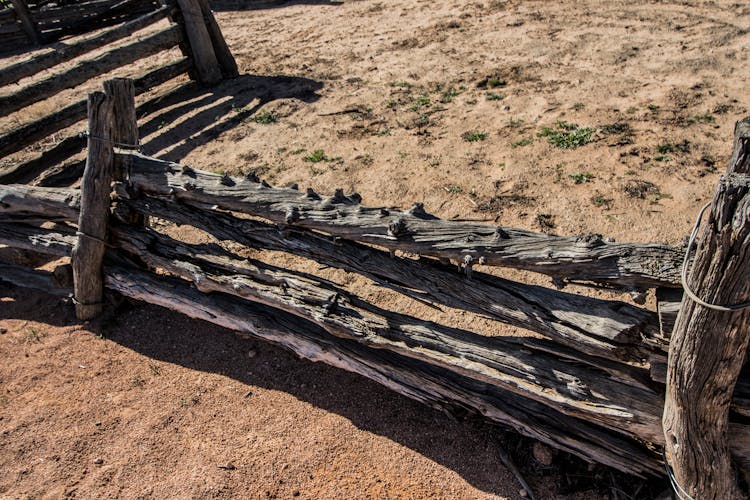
x,y
56,241
221,49
608,330
93,220
572,389
585,258
22,11
201,47
31,278
49,203
668,302
90,68
708,346
33,65
421,381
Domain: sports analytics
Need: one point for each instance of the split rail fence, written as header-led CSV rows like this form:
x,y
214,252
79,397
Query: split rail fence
x,y
193,28
593,380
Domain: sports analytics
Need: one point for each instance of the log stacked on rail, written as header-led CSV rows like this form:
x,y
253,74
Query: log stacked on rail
x,y
601,407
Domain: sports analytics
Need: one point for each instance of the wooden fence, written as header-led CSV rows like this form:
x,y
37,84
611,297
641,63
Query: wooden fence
x,y
593,380
28,24
206,58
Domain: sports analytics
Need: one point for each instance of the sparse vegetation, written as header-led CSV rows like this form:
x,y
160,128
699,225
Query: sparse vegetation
x,y
581,177
492,96
266,117
475,136
318,156
526,141
567,135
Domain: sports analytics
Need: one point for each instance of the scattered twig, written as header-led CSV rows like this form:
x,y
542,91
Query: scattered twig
x,y
508,462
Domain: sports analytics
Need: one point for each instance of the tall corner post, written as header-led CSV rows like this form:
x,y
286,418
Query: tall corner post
x,y
709,343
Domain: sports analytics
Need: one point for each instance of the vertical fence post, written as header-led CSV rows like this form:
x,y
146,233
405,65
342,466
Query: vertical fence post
x,y
125,122
88,252
223,54
22,11
201,48
708,344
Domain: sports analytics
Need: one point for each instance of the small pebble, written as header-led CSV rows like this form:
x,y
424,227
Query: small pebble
x,y
99,461
251,353
522,493
543,454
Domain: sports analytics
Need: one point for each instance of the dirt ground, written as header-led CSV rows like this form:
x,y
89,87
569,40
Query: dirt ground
x,y
569,117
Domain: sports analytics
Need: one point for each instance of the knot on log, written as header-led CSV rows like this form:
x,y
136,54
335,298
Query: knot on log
x,y
294,186
355,198
331,304
188,171
292,215
384,212
252,176
264,184
590,240
468,261
338,196
397,227
226,180
311,194
189,186
500,234
417,210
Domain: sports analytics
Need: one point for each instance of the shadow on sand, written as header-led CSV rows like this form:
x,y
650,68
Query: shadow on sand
x,y
229,5
220,109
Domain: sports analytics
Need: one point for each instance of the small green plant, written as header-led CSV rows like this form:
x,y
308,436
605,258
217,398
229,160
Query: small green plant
x,y
600,201
32,336
515,123
662,158
403,154
449,95
454,189
421,102
496,82
475,136
578,106
298,151
266,118
318,156
581,177
705,118
137,381
567,135
631,110
155,370
523,142
653,108
402,84
665,148
492,96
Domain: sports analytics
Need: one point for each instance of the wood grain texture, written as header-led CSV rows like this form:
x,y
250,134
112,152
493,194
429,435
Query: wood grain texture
x,y
83,71
221,49
708,347
88,253
583,258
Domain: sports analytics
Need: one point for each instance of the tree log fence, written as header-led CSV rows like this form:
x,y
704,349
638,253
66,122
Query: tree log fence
x,y
588,376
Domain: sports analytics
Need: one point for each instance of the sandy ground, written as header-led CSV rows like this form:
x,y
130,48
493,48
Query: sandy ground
x,y
452,103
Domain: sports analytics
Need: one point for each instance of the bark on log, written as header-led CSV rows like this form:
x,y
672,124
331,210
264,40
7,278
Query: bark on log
x,y
93,220
421,381
201,48
668,302
31,278
585,258
574,390
90,68
22,11
708,346
611,331
221,49
49,203
34,65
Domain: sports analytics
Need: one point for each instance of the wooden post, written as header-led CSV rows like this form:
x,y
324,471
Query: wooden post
x,y
125,123
223,54
201,47
708,346
22,11
88,252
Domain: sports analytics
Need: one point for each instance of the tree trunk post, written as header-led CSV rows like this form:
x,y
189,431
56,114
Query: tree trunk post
x,y
708,346
22,11
201,46
125,123
223,54
88,252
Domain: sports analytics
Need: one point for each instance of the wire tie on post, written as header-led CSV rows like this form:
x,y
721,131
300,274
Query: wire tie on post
x,y
684,273
120,145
